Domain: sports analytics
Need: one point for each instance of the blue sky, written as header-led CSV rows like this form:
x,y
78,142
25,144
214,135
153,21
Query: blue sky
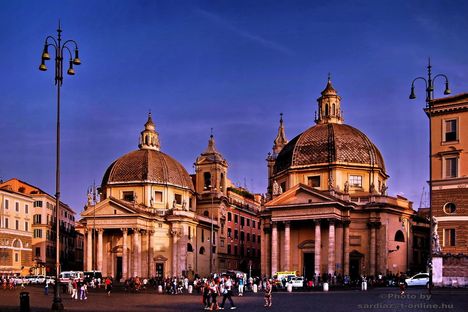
x,y
228,65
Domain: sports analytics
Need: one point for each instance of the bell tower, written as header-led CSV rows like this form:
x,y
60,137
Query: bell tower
x,y
211,170
329,106
278,144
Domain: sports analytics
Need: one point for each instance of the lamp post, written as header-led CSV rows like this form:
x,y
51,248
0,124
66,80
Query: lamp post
x,y
429,98
59,47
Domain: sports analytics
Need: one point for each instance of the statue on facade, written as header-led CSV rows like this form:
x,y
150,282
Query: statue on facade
x,y
276,188
174,203
383,189
346,187
435,237
184,205
151,201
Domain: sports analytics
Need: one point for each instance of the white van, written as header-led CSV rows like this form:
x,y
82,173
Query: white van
x,y
67,276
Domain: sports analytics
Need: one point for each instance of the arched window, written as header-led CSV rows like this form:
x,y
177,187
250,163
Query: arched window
x,y
221,186
399,237
206,213
146,139
202,250
333,109
189,247
17,243
326,109
207,180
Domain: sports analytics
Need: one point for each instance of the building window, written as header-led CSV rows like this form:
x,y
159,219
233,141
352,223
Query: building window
x,y
355,180
7,202
229,249
236,234
449,237
17,224
38,252
313,181
38,203
178,199
26,226
158,197
242,235
450,208
450,130
235,250
248,237
6,223
127,196
253,224
202,250
399,237
229,232
206,213
254,239
202,235
236,219
221,242
229,216
37,233
17,206
189,247
248,222
37,219
242,221
26,209
283,186
451,167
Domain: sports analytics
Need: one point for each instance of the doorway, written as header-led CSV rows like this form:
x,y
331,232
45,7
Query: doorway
x,y
355,261
159,270
118,271
309,265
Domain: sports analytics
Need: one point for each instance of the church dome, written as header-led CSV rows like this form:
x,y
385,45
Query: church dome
x,y
329,143
148,164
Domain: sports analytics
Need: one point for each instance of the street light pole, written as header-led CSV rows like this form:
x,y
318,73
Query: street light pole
x,y
59,48
429,98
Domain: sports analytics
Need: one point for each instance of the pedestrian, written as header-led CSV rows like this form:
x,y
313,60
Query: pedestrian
x,y
214,291
227,293
84,291
75,290
268,290
108,285
241,286
46,288
206,294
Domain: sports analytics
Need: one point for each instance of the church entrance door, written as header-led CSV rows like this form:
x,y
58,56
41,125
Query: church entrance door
x,y
118,269
355,260
309,265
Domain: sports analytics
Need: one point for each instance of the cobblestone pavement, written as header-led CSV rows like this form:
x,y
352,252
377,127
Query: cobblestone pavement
x,y
378,299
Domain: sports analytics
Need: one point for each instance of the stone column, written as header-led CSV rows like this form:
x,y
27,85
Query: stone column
x,y
151,266
318,242
124,254
287,243
174,252
136,252
346,248
100,249
372,250
274,248
89,249
331,247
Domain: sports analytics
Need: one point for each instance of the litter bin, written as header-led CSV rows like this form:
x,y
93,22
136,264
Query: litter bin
x,y
325,286
24,302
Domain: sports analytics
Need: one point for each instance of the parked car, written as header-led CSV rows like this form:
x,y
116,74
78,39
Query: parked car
x,y
420,279
297,281
21,280
50,280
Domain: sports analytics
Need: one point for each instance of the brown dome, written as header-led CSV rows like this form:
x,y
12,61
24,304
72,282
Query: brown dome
x,y
147,165
329,143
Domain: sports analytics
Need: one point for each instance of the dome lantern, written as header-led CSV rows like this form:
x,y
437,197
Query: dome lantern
x,y
149,138
329,105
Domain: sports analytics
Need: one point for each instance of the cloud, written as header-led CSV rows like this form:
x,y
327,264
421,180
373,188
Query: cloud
x,y
244,34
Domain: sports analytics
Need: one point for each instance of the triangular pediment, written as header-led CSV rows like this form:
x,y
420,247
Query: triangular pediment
x,y
110,206
302,194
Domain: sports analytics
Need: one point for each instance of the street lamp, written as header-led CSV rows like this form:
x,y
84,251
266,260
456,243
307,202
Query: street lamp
x,y
59,47
429,98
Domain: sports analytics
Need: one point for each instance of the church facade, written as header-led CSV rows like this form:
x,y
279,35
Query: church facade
x,y
328,211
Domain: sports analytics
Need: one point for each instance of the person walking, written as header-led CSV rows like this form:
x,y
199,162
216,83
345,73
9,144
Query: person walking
x,y
268,290
108,285
227,293
241,286
75,290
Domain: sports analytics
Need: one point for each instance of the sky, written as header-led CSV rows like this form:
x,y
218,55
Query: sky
x,y
233,66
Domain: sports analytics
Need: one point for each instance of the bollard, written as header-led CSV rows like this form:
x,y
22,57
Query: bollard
x,y
255,288
160,289
289,287
364,286
325,286
24,302
190,289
